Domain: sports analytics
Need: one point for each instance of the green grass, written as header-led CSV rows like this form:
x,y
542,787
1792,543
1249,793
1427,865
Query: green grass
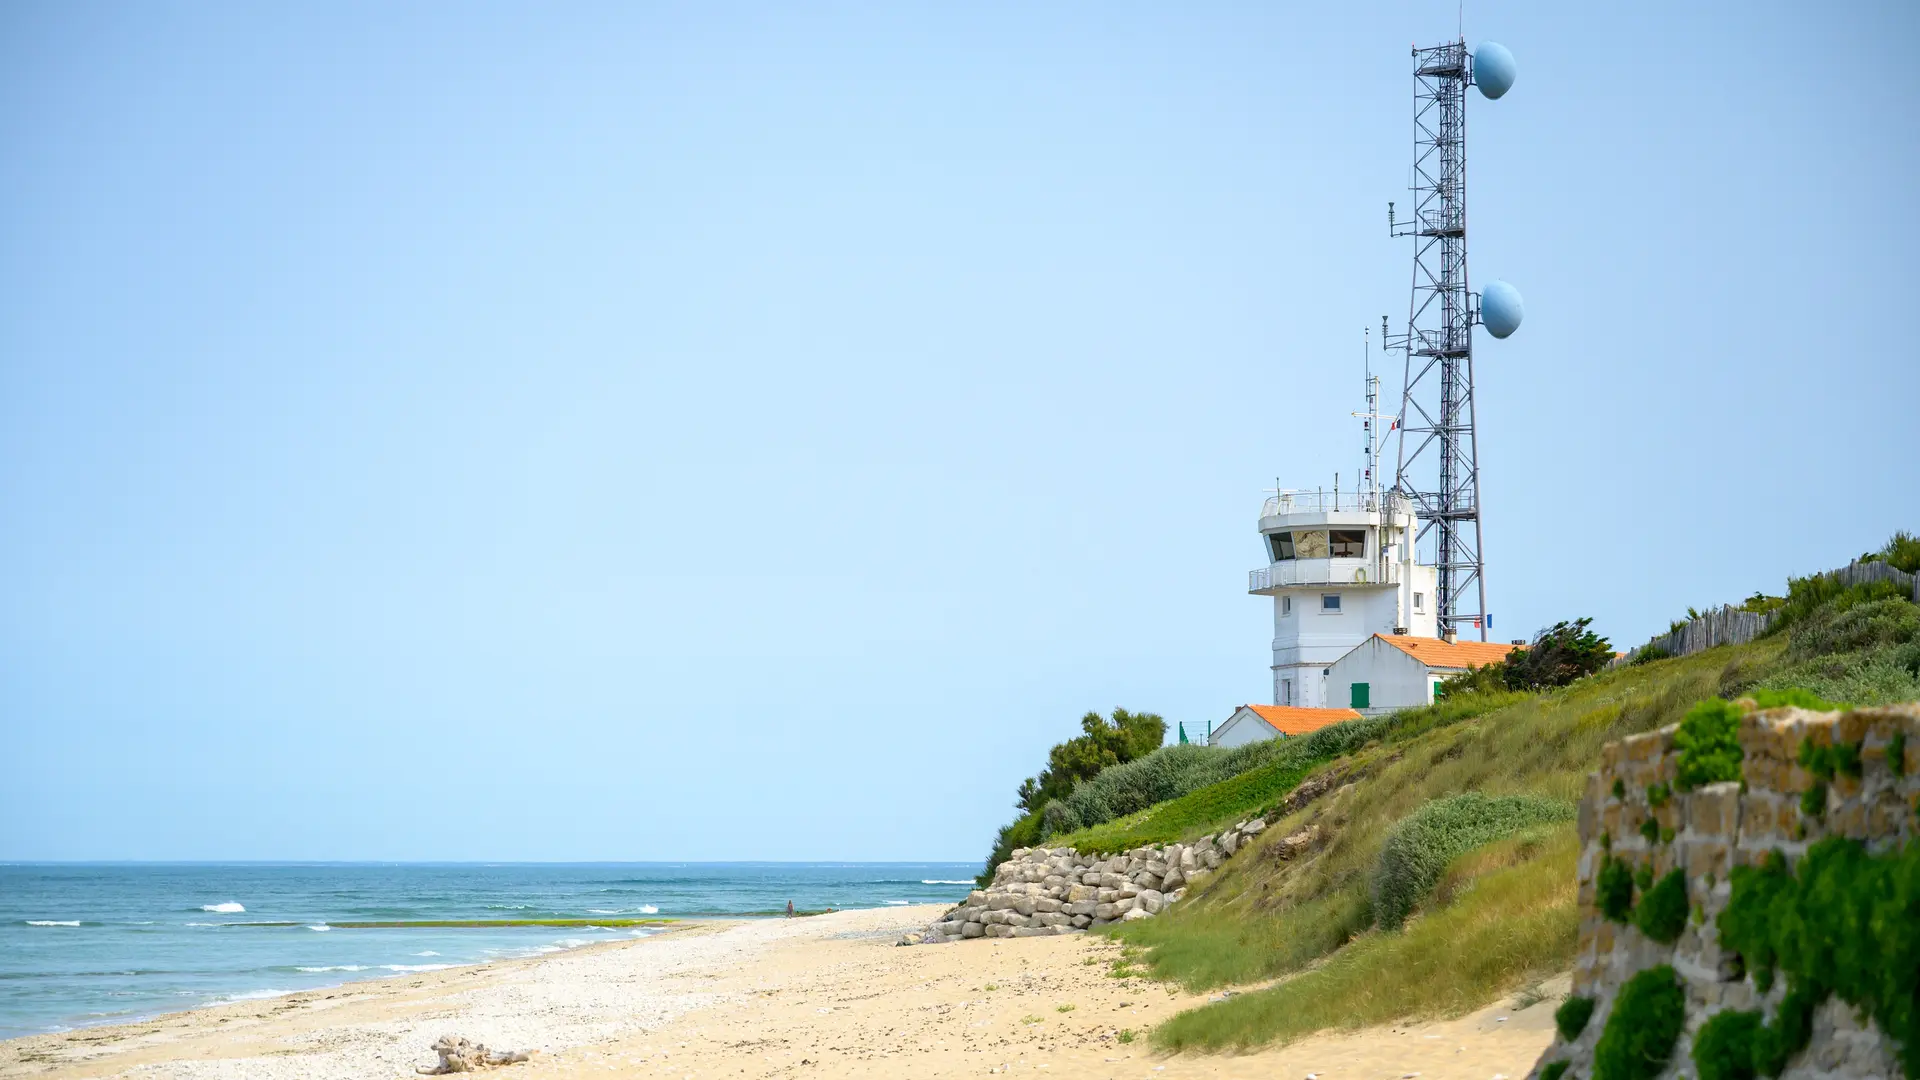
x,y
1507,926
1258,918
1262,788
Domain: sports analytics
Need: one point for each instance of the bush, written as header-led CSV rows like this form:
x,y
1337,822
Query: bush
x,y
1554,1070
1419,847
1902,552
1647,654
1558,655
1570,1019
1662,913
1842,925
1642,1028
1613,888
1709,745
1723,1048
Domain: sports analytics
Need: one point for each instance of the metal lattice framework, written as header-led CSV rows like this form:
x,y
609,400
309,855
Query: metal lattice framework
x,y
1436,421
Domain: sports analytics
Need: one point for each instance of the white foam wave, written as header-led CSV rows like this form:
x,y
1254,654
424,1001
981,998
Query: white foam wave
x,y
252,995
897,903
53,922
649,909
603,911
203,924
228,908
573,942
426,952
943,881
321,927
335,967
416,967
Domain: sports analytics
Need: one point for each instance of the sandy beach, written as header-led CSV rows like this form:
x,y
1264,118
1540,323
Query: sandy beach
x,y
828,996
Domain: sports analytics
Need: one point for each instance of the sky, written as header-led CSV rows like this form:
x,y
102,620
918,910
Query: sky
x,y
758,431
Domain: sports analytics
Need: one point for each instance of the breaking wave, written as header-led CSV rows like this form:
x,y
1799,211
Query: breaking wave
x,y
53,922
228,908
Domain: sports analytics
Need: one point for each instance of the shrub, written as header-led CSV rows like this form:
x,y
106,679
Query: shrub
x,y
1557,656
1662,913
1842,925
1647,654
1709,745
1572,1016
1642,1028
1902,552
1897,753
1555,1070
1813,801
1613,889
1723,1047
1419,846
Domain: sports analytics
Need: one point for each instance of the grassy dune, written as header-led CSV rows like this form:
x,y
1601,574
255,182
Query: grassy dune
x,y
1500,916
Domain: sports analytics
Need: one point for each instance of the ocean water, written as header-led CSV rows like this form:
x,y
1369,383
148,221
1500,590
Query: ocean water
x,y
107,943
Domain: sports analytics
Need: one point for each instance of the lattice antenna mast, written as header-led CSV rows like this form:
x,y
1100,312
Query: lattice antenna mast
x,y
1438,467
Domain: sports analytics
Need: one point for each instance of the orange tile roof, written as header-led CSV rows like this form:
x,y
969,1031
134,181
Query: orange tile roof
x,y
1294,720
1436,653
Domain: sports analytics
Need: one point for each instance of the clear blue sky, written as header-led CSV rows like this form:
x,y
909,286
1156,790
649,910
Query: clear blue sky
x,y
515,431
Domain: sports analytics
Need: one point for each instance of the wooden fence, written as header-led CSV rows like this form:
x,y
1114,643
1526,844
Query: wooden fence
x,y
1732,626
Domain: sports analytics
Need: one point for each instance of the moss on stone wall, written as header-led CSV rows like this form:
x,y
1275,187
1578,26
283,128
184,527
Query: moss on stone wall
x,y
1847,924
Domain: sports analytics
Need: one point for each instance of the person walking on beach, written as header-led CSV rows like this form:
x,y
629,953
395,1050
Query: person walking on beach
x,y
789,909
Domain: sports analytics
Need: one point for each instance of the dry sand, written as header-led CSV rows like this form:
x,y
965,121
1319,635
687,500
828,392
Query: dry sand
x,y
828,996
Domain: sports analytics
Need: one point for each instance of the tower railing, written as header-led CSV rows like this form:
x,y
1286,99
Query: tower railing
x,y
1321,572
1323,502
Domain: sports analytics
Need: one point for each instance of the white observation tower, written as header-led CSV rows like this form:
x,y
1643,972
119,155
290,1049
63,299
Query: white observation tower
x,y
1340,568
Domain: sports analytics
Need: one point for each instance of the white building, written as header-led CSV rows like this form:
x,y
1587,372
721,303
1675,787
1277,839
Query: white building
x,y
1340,569
1388,672
1255,723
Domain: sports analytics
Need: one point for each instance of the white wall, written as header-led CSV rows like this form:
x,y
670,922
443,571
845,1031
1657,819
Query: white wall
x,y
1241,728
1395,680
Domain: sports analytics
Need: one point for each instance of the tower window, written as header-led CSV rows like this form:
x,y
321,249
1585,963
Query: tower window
x,y
1310,544
1281,545
1419,601
1330,601
1286,605
1348,543
1286,691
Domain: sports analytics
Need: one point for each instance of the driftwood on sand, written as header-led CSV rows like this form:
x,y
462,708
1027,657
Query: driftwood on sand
x,y
458,1055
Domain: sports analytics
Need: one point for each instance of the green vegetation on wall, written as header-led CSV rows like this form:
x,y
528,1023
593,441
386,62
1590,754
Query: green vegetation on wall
x,y
1642,1027
1709,745
1847,924
1662,913
1570,1019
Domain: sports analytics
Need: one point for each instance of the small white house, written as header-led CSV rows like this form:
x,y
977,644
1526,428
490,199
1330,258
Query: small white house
x,y
1254,723
1401,671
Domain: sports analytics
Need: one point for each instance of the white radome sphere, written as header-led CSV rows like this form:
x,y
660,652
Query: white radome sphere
x,y
1501,308
1493,69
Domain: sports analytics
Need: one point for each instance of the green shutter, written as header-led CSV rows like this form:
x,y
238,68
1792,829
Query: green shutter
x,y
1439,690
1362,694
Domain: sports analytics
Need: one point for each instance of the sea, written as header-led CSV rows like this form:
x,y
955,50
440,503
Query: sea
x,y
105,943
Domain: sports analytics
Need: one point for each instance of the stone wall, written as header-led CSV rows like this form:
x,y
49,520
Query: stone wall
x,y
1042,891
1709,831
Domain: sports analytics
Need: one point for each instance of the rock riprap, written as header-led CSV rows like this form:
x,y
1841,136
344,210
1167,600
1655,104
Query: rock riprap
x,y
1042,891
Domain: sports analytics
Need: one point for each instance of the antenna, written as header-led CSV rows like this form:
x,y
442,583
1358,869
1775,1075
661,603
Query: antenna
x,y
1437,403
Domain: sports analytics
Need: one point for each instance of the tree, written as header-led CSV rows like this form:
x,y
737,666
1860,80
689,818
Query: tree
x,y
1558,655
1101,743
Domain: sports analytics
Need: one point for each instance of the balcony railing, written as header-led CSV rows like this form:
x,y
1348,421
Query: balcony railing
x,y
1321,572
1318,502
